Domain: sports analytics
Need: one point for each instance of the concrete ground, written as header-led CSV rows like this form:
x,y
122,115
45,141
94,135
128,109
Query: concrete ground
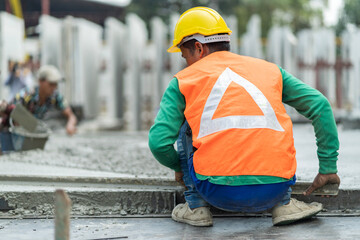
x,y
118,154
126,155
164,228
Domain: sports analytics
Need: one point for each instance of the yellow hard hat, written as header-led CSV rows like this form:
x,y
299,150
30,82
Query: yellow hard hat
x,y
198,20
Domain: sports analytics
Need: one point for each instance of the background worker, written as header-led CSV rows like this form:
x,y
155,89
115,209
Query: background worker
x,y
235,142
40,99
19,78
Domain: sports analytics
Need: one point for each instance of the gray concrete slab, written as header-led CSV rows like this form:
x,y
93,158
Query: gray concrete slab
x,y
29,196
111,153
165,228
116,159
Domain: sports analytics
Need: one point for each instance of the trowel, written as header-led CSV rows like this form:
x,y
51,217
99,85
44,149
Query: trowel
x,y
23,117
328,189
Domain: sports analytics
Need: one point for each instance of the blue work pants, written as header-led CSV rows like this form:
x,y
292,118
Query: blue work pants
x,y
243,198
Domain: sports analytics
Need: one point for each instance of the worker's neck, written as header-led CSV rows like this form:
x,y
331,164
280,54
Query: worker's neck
x,y
42,98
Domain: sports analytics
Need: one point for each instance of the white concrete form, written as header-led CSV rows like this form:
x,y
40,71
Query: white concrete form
x,y
11,46
136,41
112,86
232,23
251,41
51,41
316,59
135,69
83,45
350,51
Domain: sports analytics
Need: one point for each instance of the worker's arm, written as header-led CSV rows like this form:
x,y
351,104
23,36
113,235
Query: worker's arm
x,y
71,121
62,105
164,133
313,105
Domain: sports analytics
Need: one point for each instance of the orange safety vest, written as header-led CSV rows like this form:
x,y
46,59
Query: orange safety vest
x,y
239,124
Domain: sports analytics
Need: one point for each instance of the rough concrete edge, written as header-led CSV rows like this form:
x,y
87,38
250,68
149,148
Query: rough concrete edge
x,y
95,180
92,204
298,188
354,213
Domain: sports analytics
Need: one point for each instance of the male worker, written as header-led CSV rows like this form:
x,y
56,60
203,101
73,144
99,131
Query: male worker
x,y
235,141
39,100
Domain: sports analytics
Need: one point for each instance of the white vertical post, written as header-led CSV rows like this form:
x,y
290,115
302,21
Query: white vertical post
x,y
51,38
62,215
135,54
113,86
11,47
176,61
159,40
251,41
306,55
233,25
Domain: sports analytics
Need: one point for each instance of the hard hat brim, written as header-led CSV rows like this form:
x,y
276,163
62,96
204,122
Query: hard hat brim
x,y
173,49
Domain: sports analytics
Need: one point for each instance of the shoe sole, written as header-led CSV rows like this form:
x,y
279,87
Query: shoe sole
x,y
203,223
295,217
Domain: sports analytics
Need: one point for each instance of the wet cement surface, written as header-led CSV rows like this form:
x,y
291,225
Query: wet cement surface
x,y
112,152
165,228
124,153
116,154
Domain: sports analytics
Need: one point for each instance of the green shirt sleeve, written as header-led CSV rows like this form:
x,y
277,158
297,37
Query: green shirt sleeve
x,y
164,133
313,105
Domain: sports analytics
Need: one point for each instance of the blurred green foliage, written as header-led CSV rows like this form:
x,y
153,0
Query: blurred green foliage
x,y
350,14
296,13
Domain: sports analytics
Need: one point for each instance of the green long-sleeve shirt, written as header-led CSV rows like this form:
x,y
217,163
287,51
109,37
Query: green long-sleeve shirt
x,y
307,101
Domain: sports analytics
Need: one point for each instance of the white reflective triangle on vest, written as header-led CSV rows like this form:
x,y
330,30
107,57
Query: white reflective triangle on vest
x,y
209,125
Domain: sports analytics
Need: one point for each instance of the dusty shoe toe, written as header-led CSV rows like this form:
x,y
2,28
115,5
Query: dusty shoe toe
x,y
201,216
294,211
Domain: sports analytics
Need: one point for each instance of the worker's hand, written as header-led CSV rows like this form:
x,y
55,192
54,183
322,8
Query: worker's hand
x,y
70,129
3,106
179,178
320,180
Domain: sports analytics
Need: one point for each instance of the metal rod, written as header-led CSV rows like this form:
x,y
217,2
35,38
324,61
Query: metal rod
x,y
62,215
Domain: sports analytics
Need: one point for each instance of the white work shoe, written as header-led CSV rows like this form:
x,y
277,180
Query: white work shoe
x,y
200,217
294,211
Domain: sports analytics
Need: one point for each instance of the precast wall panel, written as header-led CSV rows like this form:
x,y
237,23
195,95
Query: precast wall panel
x,y
233,25
325,51
351,76
88,42
306,57
251,40
11,46
83,44
159,42
281,48
136,47
68,60
51,46
177,63
51,41
115,37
